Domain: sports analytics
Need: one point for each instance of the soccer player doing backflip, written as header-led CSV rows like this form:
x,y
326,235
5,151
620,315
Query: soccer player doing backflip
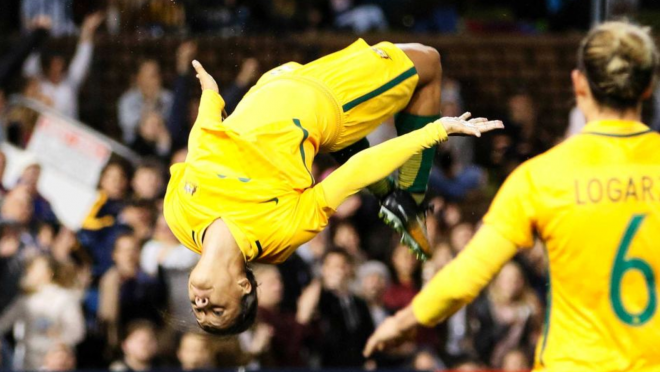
x,y
246,194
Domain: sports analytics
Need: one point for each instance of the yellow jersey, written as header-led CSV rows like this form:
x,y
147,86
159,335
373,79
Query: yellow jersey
x,y
254,169
595,202
255,177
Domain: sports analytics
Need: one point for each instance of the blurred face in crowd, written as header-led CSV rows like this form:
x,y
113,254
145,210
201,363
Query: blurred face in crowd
x,y
113,181
373,287
30,177
194,352
271,289
45,235
510,283
18,206
140,219
59,358
515,361
336,272
347,238
56,69
140,346
460,235
126,255
38,274
521,109
425,361
442,255
147,183
163,233
152,126
404,262
148,79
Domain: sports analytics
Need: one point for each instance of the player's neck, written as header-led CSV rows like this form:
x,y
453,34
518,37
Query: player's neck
x,y
220,247
605,113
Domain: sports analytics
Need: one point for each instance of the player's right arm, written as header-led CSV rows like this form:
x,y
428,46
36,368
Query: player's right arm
x,y
211,104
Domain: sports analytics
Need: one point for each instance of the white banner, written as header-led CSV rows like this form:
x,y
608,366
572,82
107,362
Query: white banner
x,y
71,151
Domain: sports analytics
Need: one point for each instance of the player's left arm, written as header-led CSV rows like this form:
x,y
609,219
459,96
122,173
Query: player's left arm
x,y
507,226
450,289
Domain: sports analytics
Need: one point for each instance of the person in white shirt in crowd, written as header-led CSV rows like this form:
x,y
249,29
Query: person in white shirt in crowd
x,y
59,84
147,95
164,252
45,315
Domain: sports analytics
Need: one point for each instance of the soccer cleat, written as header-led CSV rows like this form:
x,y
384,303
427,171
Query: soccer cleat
x,y
399,211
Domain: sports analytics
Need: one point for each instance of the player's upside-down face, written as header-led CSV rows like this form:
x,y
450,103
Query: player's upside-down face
x,y
215,296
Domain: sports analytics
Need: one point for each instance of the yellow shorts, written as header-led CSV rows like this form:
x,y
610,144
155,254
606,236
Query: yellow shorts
x,y
369,84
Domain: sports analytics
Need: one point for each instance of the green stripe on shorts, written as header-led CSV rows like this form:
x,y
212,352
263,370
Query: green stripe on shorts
x,y
384,88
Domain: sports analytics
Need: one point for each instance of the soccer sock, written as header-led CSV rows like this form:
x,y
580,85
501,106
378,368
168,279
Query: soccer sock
x,y
380,188
414,174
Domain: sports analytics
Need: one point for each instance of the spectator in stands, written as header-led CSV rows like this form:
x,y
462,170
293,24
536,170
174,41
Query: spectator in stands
x,y
59,85
11,62
515,361
147,95
343,319
59,11
60,357
508,315
17,244
246,77
406,279
164,256
460,236
49,312
139,216
148,182
20,120
100,227
139,348
180,119
347,238
152,138
427,360
225,18
126,292
374,278
195,353
358,18
287,334
43,212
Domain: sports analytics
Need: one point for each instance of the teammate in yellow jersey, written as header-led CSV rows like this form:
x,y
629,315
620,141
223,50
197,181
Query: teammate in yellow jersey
x,y
245,192
595,202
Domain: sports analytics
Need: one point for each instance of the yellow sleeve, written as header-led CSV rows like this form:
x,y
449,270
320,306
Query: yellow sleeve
x,y
378,162
210,110
461,280
514,210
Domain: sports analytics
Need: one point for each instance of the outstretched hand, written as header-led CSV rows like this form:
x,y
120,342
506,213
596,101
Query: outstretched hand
x,y
205,80
461,126
391,331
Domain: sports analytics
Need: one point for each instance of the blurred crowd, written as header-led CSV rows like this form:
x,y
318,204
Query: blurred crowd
x,y
154,18
113,294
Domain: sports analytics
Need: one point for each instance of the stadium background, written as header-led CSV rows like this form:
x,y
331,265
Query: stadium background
x,y
109,291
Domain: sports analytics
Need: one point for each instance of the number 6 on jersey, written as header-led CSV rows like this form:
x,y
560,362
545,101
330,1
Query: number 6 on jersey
x,y
623,265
